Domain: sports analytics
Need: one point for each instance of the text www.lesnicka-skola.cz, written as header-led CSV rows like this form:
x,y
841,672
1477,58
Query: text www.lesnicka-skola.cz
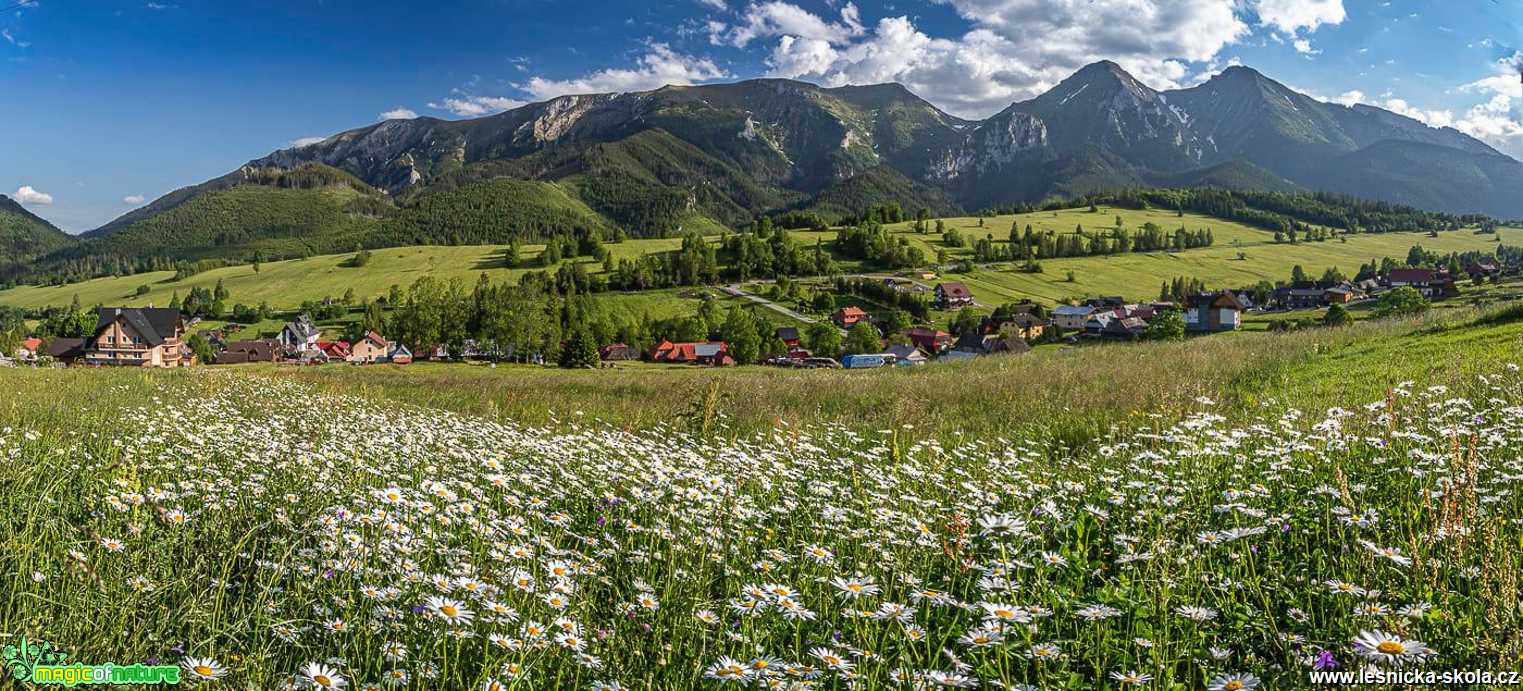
x,y
1424,677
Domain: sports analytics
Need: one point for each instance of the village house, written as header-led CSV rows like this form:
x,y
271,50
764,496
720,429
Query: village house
x,y
1098,321
974,343
337,351
29,349
906,354
136,337
1432,284
1212,312
1337,296
399,355
789,336
1072,317
1023,323
369,349
953,295
698,353
65,350
931,341
1483,270
847,317
243,352
300,335
618,352
1298,298
1124,329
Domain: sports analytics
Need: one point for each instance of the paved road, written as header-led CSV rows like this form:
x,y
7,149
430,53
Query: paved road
x,y
764,302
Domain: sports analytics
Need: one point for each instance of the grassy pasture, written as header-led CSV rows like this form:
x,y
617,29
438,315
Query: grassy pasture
x,y
286,284
1076,393
1068,520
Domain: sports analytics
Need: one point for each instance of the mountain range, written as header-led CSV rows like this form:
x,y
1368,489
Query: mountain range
x,y
705,157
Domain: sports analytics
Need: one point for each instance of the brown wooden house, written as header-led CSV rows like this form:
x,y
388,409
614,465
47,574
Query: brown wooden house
x,y
137,337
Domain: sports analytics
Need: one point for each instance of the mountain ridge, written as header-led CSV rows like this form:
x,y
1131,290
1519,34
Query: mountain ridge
x,y
679,158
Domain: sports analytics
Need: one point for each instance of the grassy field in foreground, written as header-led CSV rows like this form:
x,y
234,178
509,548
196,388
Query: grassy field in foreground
x,y
350,527
286,284
1076,393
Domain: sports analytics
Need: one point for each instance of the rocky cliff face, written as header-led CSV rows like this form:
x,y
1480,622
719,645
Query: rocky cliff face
x,y
772,142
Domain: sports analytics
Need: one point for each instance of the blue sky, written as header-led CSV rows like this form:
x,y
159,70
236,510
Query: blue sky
x,y
107,104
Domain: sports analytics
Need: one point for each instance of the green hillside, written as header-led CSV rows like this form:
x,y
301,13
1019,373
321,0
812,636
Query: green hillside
x,y
490,212
23,235
877,186
288,283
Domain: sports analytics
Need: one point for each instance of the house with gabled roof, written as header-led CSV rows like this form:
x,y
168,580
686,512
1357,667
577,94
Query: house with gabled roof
x,y
337,351
951,295
789,335
372,347
615,352
136,337
1212,312
705,352
1072,317
907,354
65,350
29,349
848,316
300,334
929,340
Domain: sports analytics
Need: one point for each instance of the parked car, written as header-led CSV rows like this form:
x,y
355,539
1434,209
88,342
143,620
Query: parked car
x,y
821,363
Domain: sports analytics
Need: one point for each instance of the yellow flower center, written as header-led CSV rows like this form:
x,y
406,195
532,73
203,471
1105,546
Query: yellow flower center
x,y
449,611
1390,647
202,670
1234,685
322,680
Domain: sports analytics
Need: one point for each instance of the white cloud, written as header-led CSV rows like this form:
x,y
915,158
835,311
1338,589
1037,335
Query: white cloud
x,y
796,57
1498,120
1349,98
399,113
475,106
1431,118
785,19
26,195
306,141
658,67
715,4
999,60
1290,16
1303,47
133,199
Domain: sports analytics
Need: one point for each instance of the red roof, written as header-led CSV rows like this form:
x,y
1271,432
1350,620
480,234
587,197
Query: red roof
x,y
667,351
849,315
334,348
32,344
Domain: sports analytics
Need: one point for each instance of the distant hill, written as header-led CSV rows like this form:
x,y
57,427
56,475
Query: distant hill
x,y
677,159
24,235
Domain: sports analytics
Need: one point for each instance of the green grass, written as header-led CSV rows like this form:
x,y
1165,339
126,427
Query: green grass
x,y
272,518
1075,393
286,284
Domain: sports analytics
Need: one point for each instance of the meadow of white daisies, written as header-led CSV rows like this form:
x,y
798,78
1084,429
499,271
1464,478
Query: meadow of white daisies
x,y
264,535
